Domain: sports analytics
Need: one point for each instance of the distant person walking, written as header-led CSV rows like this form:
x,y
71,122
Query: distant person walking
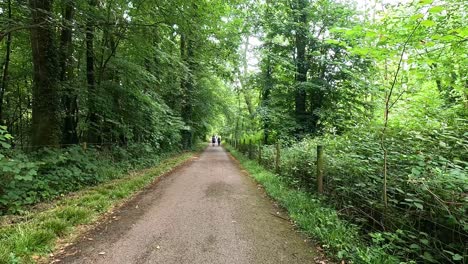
x,y
213,140
219,141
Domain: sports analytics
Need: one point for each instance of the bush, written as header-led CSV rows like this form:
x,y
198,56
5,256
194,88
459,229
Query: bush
x,y
427,185
43,175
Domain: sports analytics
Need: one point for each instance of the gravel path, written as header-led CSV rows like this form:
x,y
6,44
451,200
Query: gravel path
x,y
208,211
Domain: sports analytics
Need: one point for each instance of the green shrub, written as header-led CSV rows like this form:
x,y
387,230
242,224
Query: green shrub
x,y
26,179
427,185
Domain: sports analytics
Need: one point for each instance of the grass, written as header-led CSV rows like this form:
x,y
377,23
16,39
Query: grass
x,y
340,239
37,235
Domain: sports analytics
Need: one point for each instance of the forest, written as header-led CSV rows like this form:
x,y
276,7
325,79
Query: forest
x,y
93,89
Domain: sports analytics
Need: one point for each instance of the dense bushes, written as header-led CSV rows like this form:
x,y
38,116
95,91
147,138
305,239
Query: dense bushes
x,y
427,185
43,175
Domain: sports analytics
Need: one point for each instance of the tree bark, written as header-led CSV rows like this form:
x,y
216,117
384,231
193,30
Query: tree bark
x,y
316,96
243,78
69,97
301,65
4,82
266,97
93,118
45,121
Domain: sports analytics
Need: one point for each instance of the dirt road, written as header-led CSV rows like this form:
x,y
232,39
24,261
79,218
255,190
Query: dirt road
x,y
206,212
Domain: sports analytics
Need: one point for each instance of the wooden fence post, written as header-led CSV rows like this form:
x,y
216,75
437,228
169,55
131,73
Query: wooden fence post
x,y
320,169
260,152
277,159
85,146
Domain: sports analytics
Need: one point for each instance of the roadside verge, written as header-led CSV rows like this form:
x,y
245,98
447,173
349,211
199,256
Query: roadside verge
x,y
38,234
338,238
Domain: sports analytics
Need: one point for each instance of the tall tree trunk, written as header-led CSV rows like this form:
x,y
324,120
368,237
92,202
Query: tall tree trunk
x,y
316,96
4,79
244,77
268,87
93,118
187,53
69,97
301,64
268,82
45,121
266,103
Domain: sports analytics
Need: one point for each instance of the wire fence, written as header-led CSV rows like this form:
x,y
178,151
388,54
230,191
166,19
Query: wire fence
x,y
83,145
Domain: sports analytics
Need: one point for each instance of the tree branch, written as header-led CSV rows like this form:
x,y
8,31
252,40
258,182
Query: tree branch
x,y
5,32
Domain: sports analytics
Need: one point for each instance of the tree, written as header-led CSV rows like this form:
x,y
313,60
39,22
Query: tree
x,y
93,117
6,63
45,122
300,11
69,95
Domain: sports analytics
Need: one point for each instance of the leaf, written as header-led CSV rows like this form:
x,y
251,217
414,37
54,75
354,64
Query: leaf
x,y
332,41
415,171
425,2
457,257
463,32
443,144
5,145
424,241
436,9
427,256
428,23
419,206
416,17
448,38
415,246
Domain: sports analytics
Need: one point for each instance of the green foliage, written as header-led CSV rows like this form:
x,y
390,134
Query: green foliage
x,y
426,216
5,137
46,174
384,87
156,70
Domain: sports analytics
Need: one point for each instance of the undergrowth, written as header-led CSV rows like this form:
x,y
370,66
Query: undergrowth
x,y
27,178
